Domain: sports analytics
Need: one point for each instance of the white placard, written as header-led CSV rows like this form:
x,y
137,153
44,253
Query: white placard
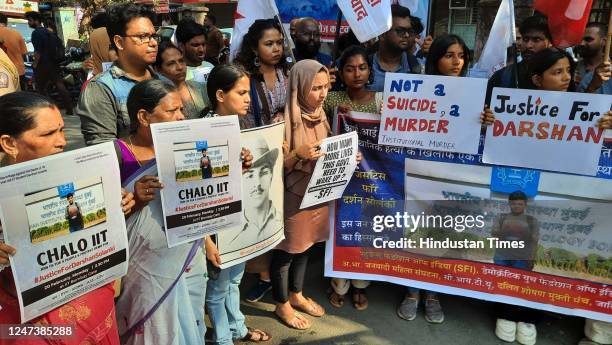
x,y
333,171
432,112
63,215
198,162
367,18
546,130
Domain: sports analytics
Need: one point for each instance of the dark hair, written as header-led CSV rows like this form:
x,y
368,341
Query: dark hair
x,y
222,77
417,24
517,195
537,22
99,20
3,19
120,14
346,40
439,47
146,95
188,29
34,16
543,60
603,28
17,111
212,18
400,11
349,53
161,48
69,195
250,42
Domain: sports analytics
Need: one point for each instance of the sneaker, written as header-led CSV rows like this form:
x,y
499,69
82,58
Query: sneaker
x,y
258,291
505,330
408,309
526,333
586,341
433,311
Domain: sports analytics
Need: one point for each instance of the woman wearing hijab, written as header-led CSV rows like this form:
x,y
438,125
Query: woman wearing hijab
x,y
305,126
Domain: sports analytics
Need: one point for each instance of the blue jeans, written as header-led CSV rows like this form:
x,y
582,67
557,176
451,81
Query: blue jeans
x,y
223,301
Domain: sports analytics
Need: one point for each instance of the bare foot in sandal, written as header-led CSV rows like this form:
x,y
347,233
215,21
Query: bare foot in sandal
x,y
290,317
256,336
306,305
360,299
336,299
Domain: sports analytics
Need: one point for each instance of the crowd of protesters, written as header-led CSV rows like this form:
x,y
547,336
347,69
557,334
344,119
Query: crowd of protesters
x,y
153,81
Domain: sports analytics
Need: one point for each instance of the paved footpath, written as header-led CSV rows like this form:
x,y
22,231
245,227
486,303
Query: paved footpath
x,y
468,321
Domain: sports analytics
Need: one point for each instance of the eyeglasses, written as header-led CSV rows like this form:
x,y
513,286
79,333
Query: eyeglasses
x,y
144,38
403,31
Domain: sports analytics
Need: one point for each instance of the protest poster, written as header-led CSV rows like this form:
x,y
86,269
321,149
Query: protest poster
x,y
63,215
262,225
367,18
540,129
571,274
198,162
432,112
333,171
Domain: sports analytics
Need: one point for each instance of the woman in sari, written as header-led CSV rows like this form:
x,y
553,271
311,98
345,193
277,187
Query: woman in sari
x,y
160,280
32,127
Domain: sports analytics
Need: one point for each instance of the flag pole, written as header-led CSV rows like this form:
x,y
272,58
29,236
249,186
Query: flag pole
x,y
609,40
337,36
514,47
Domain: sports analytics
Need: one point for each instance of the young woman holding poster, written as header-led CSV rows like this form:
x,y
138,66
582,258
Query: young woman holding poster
x,y
448,56
355,75
263,57
550,69
32,127
159,279
228,91
305,126
171,64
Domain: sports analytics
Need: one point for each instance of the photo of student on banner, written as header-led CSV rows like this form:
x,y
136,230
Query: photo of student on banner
x,y
205,164
74,216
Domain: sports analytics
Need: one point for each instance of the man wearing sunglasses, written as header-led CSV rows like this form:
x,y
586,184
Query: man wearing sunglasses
x,y
393,44
103,104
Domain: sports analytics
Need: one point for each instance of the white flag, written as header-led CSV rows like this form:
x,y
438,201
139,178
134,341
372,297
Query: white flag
x,y
502,36
247,12
367,18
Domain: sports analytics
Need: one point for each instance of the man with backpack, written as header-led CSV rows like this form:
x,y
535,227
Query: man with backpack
x,y
48,54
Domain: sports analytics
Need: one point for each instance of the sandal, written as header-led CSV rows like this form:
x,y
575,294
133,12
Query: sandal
x,y
360,299
313,308
256,335
336,299
292,323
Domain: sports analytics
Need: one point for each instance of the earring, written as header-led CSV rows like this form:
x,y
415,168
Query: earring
x,y
256,61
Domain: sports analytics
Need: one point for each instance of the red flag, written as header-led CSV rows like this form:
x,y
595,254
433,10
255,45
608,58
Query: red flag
x,y
567,19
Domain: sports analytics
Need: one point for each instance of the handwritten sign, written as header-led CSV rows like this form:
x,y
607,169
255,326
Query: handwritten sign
x,y
546,130
432,112
333,171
